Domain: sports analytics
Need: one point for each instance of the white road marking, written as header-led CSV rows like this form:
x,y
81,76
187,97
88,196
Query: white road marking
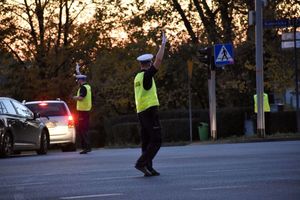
x,y
221,187
230,170
116,177
183,157
92,196
24,184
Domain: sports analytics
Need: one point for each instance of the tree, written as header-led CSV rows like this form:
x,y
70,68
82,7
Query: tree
x,y
47,41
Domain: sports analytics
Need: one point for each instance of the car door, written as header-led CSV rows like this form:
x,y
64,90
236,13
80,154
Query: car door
x,y
30,127
13,121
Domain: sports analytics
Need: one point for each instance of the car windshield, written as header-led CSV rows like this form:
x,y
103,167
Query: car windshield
x,y
3,109
48,109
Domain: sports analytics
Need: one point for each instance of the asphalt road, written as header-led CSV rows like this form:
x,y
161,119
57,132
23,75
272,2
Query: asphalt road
x,y
264,170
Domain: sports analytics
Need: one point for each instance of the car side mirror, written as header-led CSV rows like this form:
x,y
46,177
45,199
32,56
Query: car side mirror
x,y
36,115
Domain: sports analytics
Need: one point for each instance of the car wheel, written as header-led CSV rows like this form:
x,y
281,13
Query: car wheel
x,y
69,147
6,148
44,144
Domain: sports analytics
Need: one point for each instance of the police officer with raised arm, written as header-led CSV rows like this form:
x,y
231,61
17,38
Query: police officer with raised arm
x,y
83,106
147,103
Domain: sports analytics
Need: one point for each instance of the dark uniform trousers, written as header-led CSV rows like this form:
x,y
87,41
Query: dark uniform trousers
x,y
82,128
150,136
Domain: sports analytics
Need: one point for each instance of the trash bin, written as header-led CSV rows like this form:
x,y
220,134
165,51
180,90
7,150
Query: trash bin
x,y
203,131
249,127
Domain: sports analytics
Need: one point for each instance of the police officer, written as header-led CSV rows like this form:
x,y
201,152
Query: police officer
x,y
266,103
83,106
267,109
147,103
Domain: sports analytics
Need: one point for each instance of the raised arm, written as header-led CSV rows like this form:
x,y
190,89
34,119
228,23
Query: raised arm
x,y
77,68
160,53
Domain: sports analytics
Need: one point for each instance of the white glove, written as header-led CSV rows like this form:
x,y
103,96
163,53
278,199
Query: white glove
x,y
77,69
163,39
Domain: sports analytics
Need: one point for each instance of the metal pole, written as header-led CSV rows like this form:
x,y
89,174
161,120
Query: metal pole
x,y
259,67
212,104
209,101
190,111
296,78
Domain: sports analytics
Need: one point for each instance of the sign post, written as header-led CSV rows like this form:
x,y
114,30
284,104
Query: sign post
x,y
190,69
223,55
212,104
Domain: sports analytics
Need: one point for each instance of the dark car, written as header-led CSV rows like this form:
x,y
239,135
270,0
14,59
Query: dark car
x,y
21,129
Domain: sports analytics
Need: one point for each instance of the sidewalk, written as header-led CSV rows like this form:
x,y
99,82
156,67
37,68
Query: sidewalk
x,y
254,138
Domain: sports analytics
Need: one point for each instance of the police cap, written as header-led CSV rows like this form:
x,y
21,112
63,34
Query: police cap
x,y
145,57
81,77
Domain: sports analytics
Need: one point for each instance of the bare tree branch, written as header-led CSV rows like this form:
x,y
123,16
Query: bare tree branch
x,y
13,51
33,32
186,22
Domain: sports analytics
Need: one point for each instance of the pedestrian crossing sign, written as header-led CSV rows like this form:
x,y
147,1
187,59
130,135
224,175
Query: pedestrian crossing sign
x,y
223,54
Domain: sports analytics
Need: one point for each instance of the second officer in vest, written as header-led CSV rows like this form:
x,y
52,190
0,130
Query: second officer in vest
x,y
147,103
83,107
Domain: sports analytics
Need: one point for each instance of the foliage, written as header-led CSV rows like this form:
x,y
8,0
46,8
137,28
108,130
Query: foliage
x,y
175,125
276,124
47,43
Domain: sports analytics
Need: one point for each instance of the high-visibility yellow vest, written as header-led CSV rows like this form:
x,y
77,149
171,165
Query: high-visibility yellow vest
x,y
86,103
266,103
144,98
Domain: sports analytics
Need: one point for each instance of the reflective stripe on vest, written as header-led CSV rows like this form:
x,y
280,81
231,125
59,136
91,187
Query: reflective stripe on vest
x,y
266,103
144,98
86,103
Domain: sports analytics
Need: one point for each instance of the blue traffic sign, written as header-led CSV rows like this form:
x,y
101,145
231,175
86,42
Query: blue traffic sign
x,y
280,23
223,54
